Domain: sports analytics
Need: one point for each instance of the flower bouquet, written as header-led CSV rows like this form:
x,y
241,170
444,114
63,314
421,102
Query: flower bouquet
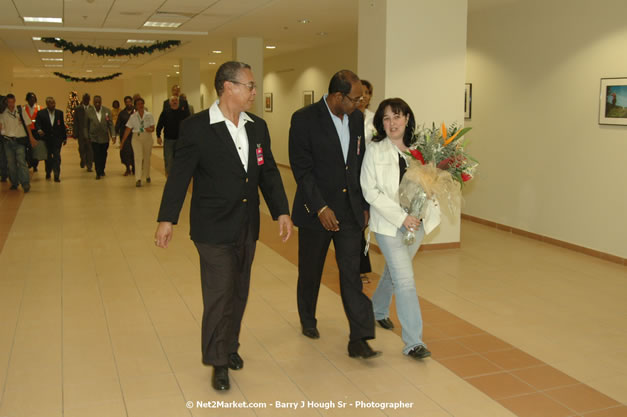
x,y
436,171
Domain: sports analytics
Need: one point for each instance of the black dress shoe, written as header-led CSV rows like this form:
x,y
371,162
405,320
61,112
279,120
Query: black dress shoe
x,y
386,323
97,176
220,378
311,332
419,352
361,349
47,176
235,361
57,179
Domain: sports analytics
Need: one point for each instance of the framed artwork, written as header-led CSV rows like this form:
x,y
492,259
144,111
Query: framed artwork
x,y
308,97
267,102
468,101
613,101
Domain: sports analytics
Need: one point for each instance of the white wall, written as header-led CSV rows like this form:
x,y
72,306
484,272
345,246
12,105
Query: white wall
x,y
287,76
546,165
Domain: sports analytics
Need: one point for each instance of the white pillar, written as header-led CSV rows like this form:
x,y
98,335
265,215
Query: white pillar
x,y
190,81
419,50
250,51
160,92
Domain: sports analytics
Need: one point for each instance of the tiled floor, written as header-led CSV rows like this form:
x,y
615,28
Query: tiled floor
x,y
96,321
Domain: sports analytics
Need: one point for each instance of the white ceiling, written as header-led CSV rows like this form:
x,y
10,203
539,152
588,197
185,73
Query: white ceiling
x,y
206,25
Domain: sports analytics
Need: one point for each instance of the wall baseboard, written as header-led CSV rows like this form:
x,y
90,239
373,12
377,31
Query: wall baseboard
x,y
546,239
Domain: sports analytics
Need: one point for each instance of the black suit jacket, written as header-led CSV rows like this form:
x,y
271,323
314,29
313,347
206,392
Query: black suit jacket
x,y
318,165
53,135
183,105
223,192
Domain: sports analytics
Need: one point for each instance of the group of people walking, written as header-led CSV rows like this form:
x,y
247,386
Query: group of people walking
x,y
29,131
343,185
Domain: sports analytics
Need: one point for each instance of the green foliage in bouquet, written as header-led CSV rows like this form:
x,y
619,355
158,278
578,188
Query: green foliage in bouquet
x,y
444,148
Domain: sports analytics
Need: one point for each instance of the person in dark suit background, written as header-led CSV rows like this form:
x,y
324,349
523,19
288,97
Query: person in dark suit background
x,y
227,153
51,128
85,149
176,92
326,149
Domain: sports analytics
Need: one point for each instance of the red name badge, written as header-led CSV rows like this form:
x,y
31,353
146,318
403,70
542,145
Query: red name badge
x,y
259,152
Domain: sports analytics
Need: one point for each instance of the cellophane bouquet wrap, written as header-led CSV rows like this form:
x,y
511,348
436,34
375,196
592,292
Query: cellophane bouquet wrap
x,y
437,169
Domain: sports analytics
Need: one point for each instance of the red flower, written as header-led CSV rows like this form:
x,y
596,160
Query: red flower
x,y
417,155
466,177
445,164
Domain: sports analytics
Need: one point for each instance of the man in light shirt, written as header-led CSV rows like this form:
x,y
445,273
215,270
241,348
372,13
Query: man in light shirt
x,y
14,124
227,152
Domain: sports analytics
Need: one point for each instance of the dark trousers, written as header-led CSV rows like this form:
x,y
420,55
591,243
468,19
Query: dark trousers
x,y
53,163
313,246
100,156
225,279
4,167
364,257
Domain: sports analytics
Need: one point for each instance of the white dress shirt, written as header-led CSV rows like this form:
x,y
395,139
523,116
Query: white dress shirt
x,y
12,125
51,115
341,126
140,123
238,133
99,114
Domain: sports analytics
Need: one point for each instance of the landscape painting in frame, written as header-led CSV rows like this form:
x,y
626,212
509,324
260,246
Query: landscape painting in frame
x,y
613,101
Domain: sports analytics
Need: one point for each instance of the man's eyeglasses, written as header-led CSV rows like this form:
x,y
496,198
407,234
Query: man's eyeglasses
x,y
355,100
251,85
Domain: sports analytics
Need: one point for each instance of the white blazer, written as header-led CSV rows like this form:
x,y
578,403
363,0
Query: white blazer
x,y
379,179
380,175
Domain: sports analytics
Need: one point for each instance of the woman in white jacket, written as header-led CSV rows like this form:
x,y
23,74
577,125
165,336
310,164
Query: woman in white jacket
x,y
383,168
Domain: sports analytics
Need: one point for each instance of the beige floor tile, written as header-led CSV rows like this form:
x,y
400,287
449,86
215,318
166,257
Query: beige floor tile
x,y
97,409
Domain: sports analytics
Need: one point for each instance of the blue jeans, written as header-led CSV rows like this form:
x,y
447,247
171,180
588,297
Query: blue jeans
x,y
16,161
4,168
168,154
398,279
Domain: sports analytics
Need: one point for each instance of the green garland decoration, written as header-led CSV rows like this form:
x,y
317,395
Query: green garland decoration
x,y
86,80
102,51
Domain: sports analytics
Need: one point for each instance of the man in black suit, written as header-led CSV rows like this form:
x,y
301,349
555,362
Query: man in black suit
x,y
326,148
51,127
227,153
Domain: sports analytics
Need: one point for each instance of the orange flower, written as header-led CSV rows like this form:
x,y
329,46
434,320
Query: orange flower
x,y
444,133
452,138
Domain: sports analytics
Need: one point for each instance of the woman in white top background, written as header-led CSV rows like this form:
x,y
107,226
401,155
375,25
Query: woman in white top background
x,y
381,173
142,124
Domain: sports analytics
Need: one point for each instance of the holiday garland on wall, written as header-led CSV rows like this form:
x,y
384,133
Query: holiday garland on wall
x,y
102,51
87,80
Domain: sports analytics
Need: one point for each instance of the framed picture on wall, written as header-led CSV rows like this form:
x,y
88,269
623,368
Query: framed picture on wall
x,y
267,102
308,97
613,101
468,101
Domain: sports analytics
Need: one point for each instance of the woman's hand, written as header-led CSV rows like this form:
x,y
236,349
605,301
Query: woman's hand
x,y
412,223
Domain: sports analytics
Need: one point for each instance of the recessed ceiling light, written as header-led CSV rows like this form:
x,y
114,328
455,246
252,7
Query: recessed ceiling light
x,y
176,65
53,65
51,51
270,47
117,59
140,41
162,24
304,21
212,63
217,51
44,19
36,38
177,72
110,66
89,70
52,59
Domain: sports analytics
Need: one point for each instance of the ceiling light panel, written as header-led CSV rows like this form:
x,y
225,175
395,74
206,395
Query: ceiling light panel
x,y
154,24
32,19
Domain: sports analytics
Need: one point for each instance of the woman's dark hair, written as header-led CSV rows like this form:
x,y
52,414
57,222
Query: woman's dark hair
x,y
29,95
398,106
114,103
128,98
368,85
137,100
